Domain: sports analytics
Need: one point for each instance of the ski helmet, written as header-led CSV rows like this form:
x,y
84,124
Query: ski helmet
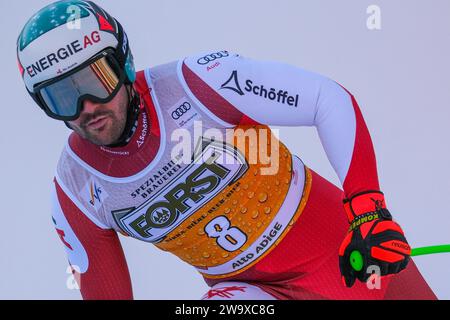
x,y
73,50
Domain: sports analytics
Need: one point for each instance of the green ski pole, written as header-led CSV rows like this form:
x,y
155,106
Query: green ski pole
x,y
357,261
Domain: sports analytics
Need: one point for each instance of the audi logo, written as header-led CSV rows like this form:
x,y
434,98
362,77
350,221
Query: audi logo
x,y
213,56
184,108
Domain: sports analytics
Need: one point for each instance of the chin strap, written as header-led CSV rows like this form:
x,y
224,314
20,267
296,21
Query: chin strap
x,y
134,108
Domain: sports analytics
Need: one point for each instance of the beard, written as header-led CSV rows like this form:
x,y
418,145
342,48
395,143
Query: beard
x,y
107,134
113,127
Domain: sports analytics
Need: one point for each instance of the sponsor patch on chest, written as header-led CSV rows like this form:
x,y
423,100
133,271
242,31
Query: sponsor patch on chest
x,y
183,113
192,187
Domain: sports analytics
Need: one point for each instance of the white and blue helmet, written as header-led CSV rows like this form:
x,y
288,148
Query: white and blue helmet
x,y
62,36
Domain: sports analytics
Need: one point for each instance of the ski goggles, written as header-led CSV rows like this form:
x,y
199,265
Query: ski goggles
x,y
98,80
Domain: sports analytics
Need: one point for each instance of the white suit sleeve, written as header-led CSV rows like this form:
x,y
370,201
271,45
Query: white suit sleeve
x,y
239,90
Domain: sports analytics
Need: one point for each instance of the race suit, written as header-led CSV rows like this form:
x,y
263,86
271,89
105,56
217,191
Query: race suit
x,y
204,178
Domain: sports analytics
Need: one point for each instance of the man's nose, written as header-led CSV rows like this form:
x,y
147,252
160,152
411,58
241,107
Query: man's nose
x,y
89,106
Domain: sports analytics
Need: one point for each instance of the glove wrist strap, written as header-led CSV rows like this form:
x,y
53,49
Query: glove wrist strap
x,y
365,207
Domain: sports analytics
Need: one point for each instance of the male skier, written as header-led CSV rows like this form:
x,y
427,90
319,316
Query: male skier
x,y
255,227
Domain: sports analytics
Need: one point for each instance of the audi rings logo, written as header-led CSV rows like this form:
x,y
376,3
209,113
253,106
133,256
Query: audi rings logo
x,y
178,113
213,56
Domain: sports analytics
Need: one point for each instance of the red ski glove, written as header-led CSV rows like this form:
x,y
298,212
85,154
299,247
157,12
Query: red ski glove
x,y
374,239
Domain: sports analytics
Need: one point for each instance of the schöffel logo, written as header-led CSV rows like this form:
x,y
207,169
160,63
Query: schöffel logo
x,y
211,57
280,96
62,54
181,110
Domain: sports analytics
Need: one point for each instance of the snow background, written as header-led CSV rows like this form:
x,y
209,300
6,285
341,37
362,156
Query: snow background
x,y
399,75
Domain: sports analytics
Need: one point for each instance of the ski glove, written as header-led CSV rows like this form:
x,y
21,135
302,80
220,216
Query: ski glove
x,y
373,239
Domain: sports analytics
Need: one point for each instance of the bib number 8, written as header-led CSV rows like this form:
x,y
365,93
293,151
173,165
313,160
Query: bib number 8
x,y
228,238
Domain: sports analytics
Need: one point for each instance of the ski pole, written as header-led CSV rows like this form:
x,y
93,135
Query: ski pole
x,y
357,261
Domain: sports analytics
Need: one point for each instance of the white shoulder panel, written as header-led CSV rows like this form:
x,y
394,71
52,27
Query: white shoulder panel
x,y
269,92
